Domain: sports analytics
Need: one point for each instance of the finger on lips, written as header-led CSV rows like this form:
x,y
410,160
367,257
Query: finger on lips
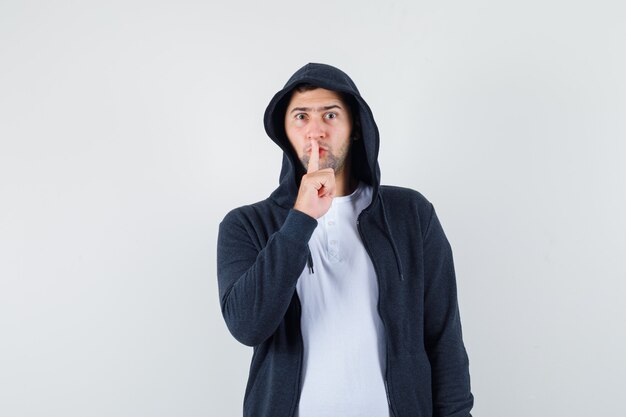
x,y
314,157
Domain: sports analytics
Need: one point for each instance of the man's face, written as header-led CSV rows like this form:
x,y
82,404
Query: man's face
x,y
319,115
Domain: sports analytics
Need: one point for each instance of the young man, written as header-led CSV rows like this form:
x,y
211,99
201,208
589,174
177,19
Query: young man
x,y
345,288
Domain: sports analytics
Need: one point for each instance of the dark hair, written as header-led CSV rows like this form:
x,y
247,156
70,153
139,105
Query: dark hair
x,y
301,88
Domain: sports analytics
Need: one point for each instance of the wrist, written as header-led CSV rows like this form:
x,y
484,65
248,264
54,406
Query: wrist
x,y
299,225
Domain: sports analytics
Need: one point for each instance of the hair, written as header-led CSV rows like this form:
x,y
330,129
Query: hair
x,y
302,87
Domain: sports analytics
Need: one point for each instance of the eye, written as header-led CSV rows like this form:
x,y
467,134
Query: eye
x,y
331,115
300,116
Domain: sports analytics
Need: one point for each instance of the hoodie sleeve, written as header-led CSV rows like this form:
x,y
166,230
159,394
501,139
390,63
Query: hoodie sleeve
x,y
452,396
257,286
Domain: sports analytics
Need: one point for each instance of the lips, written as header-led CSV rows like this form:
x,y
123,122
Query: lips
x,y
307,150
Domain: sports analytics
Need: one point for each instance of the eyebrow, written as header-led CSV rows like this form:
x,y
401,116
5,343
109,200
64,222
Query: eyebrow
x,y
305,109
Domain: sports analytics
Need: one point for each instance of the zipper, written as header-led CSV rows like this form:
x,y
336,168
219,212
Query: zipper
x,y
382,320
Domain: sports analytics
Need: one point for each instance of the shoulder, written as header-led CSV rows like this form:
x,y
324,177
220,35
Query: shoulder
x,y
402,192
406,203
394,195
250,212
258,220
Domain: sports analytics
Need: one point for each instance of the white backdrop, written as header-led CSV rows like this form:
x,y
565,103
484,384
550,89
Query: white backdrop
x,y
129,128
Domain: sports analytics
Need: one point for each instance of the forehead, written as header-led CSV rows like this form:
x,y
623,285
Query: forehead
x,y
317,97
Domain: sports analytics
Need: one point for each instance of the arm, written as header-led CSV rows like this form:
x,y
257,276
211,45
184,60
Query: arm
x,y
256,286
452,396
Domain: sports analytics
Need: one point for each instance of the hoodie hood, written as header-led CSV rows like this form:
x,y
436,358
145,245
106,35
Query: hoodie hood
x,y
364,152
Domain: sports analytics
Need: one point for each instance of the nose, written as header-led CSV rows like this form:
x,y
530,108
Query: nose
x,y
316,129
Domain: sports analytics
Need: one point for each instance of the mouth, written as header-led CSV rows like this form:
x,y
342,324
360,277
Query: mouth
x,y
307,150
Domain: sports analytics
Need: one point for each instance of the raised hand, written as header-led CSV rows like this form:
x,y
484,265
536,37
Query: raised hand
x,y
317,187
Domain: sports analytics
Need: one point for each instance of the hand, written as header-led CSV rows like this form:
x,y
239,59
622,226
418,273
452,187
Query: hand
x,y
317,187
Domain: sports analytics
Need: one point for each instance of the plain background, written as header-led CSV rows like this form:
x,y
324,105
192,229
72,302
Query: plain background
x,y
130,128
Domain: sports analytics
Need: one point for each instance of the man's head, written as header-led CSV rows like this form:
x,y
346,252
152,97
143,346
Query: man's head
x,y
324,116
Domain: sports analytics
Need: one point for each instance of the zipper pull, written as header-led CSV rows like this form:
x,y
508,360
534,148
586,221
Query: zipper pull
x,y
309,262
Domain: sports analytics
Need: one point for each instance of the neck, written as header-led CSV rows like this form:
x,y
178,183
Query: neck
x,y
345,184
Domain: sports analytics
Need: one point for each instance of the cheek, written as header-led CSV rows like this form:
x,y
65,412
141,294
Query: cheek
x,y
345,129
292,136
296,145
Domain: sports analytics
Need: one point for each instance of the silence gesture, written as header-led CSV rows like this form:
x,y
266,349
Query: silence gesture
x,y
317,187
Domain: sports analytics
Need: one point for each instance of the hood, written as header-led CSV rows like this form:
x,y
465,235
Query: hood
x,y
364,152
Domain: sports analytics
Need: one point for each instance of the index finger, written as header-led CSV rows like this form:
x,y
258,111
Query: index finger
x,y
314,157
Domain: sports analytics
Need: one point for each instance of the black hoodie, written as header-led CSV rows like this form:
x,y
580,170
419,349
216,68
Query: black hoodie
x,y
263,248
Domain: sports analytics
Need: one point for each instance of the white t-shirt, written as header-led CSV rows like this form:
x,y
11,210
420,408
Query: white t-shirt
x,y
344,344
